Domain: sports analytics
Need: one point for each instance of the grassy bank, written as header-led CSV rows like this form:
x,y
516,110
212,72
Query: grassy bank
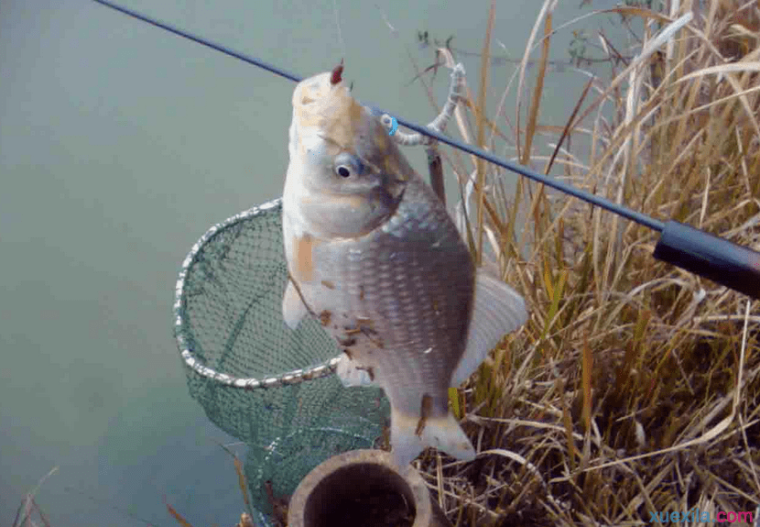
x,y
634,387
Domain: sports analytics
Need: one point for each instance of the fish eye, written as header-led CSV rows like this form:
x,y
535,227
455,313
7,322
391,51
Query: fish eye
x,y
347,165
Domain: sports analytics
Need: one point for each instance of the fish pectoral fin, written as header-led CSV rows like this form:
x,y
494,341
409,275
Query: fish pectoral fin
x,y
352,374
443,433
293,308
497,310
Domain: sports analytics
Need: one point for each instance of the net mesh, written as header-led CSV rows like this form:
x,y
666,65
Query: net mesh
x,y
256,379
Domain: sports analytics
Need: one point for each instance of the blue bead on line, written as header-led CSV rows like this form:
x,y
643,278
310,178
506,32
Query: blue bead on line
x,y
394,126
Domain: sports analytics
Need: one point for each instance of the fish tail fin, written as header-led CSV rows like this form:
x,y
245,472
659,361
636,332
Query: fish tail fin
x,y
443,433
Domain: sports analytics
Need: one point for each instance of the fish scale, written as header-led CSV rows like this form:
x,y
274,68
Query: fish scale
x,y
407,276
373,253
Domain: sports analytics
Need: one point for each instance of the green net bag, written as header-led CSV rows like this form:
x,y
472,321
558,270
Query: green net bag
x,y
269,386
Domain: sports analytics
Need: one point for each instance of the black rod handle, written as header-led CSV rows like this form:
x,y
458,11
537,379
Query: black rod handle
x,y
711,257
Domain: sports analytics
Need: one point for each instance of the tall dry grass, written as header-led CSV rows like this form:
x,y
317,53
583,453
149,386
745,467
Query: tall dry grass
x,y
634,386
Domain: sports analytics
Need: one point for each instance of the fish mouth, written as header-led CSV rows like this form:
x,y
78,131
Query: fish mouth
x,y
328,108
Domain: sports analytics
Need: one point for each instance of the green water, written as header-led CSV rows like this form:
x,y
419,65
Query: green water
x,y
119,146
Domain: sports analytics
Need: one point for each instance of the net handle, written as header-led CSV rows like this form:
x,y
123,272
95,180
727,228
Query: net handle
x,y
248,383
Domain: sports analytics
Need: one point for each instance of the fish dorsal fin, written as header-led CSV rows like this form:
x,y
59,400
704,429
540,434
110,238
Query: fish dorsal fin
x,y
497,310
293,308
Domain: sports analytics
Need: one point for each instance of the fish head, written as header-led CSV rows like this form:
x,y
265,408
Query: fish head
x,y
346,176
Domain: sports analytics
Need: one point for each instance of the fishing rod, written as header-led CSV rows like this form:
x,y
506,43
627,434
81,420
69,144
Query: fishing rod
x,y
682,245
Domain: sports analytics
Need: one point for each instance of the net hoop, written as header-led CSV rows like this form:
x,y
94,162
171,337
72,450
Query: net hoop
x,y
180,321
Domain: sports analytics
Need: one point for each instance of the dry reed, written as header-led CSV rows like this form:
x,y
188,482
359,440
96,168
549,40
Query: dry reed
x,y
633,388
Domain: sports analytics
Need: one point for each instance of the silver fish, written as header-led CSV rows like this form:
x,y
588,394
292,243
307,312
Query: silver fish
x,y
374,254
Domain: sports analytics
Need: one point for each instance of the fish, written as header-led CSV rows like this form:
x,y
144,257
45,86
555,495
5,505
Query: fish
x,y
373,254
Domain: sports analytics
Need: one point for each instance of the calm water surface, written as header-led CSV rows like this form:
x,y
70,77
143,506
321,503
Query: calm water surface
x,y
119,146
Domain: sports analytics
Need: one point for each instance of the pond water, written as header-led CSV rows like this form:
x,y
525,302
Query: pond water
x,y
120,145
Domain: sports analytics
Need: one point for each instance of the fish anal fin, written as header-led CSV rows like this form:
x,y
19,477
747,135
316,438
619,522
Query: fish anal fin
x,y
497,310
443,433
293,308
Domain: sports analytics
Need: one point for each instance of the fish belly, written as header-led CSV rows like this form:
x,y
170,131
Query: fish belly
x,y
398,301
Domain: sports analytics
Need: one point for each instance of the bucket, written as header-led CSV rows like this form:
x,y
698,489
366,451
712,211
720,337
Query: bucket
x,y
363,488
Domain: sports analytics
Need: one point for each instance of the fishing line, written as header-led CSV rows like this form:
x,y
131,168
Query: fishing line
x,y
697,251
337,23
